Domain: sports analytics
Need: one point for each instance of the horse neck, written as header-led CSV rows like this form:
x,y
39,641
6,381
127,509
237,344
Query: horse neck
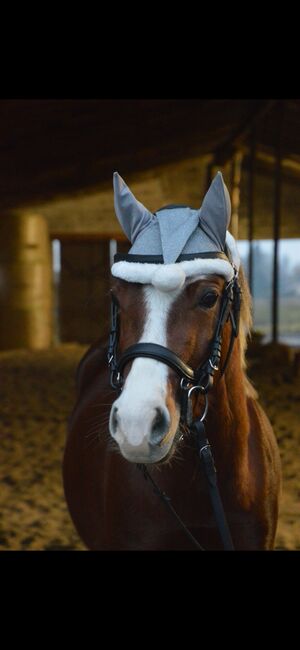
x,y
227,422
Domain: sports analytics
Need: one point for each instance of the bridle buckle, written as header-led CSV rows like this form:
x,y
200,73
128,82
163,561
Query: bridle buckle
x,y
213,366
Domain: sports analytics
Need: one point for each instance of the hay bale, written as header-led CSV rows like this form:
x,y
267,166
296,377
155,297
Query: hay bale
x,y
25,283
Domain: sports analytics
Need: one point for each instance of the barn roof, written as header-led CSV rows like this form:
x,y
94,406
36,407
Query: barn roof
x,y
53,149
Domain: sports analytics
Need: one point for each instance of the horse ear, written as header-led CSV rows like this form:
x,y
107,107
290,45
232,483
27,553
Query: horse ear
x,y
132,215
215,211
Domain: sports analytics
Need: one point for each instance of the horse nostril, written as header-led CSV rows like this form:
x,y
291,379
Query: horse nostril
x,y
159,427
114,420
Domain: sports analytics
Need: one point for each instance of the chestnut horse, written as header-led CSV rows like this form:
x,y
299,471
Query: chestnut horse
x,y
111,505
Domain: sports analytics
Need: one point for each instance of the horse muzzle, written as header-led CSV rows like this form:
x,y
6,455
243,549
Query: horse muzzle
x,y
143,436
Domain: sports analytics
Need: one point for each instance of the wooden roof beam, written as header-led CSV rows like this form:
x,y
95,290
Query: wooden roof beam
x,y
225,152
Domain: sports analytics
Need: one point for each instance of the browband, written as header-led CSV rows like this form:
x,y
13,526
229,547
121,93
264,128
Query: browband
x,y
158,259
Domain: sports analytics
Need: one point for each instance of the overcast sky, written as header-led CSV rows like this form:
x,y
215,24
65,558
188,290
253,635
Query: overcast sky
x,y
289,247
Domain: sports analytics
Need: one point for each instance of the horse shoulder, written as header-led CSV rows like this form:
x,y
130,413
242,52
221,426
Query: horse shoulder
x,y
87,455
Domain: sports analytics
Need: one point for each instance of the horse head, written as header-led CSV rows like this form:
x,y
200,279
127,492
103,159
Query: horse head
x,y
169,292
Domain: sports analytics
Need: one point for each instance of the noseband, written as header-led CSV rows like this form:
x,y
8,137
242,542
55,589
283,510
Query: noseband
x,y
191,380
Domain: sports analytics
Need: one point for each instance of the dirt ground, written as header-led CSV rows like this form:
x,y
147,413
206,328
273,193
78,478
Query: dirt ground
x,y
36,397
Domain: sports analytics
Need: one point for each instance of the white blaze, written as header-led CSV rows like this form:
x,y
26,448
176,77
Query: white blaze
x,y
146,385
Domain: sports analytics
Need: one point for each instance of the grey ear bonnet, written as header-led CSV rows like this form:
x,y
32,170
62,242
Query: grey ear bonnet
x,y
173,232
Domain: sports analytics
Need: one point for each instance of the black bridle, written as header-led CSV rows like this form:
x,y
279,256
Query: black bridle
x,y
191,380
203,375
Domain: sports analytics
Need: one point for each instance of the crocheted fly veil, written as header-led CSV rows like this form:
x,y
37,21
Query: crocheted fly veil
x,y
175,242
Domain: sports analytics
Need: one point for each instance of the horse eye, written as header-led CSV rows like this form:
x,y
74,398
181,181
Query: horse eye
x,y
209,299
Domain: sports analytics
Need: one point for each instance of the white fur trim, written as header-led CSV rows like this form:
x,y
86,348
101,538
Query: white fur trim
x,y
168,277
232,245
148,273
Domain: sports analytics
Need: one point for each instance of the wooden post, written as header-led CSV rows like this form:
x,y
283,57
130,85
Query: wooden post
x,y
236,169
276,224
251,208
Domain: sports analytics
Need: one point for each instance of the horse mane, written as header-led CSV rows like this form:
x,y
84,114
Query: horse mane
x,y
245,330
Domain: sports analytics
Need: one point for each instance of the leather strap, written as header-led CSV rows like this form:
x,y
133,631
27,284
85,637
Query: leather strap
x,y
159,353
208,464
158,259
